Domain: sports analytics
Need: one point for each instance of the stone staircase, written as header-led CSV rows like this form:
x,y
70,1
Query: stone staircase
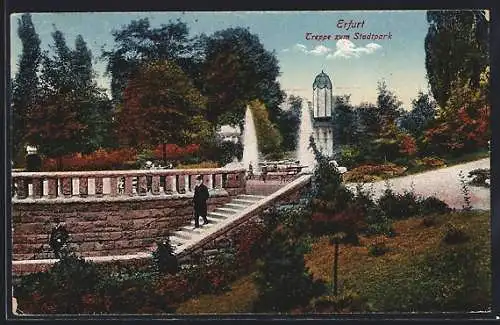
x,y
219,218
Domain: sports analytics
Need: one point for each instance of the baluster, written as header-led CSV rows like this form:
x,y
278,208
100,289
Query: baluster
x,y
181,184
52,190
99,186
37,188
67,186
155,185
83,186
207,179
21,187
128,185
186,183
218,181
193,182
113,186
142,185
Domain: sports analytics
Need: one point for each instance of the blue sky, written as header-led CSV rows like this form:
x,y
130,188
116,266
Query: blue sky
x,y
354,66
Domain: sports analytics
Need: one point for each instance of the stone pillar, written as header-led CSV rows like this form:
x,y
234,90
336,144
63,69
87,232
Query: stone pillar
x,y
128,185
83,186
142,185
207,179
99,187
52,193
155,185
218,181
186,183
193,182
113,186
67,187
37,188
21,187
182,184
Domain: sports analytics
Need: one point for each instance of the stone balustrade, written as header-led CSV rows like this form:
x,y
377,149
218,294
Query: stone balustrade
x,y
36,186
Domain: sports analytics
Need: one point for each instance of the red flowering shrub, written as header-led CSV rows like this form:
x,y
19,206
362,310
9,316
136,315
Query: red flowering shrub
x,y
368,173
175,152
407,145
460,132
246,245
98,160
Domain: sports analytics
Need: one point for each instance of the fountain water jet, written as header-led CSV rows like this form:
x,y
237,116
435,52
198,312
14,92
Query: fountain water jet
x,y
305,154
250,145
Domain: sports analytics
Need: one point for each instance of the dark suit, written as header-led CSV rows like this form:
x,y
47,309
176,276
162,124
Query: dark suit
x,y
200,203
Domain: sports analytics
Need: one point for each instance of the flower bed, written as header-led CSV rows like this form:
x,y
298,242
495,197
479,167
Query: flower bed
x,y
370,173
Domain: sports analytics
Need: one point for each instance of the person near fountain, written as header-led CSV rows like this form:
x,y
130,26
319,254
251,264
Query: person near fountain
x,y
200,202
263,173
250,171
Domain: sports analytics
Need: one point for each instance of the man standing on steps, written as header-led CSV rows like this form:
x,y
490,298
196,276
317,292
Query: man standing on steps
x,y
200,202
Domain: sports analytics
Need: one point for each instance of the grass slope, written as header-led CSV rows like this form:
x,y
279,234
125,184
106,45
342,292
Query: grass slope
x,y
375,279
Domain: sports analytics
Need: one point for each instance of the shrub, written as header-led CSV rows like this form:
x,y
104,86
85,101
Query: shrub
x,y
350,156
98,160
59,289
164,258
454,234
467,206
369,173
479,177
282,278
432,204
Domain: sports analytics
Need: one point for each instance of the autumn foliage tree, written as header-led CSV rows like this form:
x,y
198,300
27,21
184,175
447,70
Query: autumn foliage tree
x,y
161,105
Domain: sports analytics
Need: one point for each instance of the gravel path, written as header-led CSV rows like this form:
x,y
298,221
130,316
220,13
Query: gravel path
x,y
443,183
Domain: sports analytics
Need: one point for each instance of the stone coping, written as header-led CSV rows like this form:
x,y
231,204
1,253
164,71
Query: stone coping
x,y
119,198
137,172
240,217
195,242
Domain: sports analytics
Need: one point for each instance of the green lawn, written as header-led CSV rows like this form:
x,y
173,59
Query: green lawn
x,y
370,277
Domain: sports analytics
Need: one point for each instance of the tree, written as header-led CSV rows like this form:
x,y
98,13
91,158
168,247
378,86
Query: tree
x,y
54,127
269,138
456,45
289,122
389,106
161,105
345,121
250,72
69,74
138,44
282,278
423,111
26,84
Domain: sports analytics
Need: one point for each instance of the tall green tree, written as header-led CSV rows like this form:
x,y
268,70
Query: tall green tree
x,y
269,138
389,107
422,113
138,43
456,46
289,122
239,69
161,105
25,86
345,121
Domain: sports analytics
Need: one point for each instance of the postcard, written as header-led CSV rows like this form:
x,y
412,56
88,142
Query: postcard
x,y
262,162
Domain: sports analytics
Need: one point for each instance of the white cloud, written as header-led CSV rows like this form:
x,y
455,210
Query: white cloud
x,y
318,50
347,49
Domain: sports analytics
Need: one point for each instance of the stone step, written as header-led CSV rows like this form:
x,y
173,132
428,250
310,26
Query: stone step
x,y
182,235
228,210
250,197
243,202
237,206
217,216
